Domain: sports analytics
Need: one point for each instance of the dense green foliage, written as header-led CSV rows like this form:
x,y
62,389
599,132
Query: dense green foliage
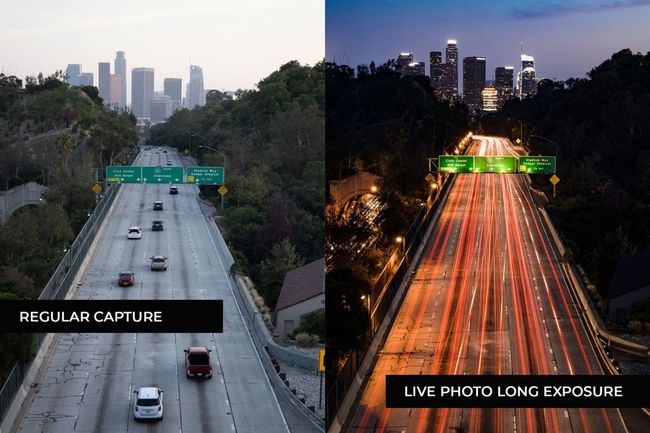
x,y
312,323
388,125
56,136
272,143
602,129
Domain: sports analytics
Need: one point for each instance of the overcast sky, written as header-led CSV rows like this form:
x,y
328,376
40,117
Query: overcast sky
x,y
236,42
567,37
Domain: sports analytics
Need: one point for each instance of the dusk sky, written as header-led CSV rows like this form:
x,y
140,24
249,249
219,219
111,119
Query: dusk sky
x,y
236,42
566,37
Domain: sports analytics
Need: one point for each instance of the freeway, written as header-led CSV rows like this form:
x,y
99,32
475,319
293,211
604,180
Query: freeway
x,y
488,297
89,379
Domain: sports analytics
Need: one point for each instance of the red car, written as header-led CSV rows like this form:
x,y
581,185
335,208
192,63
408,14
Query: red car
x,y
126,279
197,362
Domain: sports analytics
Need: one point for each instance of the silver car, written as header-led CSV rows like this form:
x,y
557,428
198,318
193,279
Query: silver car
x,y
158,263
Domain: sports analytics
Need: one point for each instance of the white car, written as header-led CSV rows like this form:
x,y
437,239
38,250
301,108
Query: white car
x,y
134,233
148,403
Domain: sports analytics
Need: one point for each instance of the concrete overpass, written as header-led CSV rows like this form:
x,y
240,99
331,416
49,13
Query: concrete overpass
x,y
345,189
17,197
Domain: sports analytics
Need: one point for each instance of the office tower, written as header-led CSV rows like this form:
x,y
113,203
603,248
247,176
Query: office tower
x,y
490,98
86,79
403,60
104,81
473,81
161,107
503,81
527,83
173,89
120,69
195,95
115,98
141,92
450,71
435,65
413,68
73,71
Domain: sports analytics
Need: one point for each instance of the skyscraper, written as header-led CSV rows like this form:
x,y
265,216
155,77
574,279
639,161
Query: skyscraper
x,y
86,79
503,77
141,92
120,69
161,107
195,94
473,81
104,81
403,60
414,68
450,76
173,89
526,80
435,65
116,91
73,71
489,98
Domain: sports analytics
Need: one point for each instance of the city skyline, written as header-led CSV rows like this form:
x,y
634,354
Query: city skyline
x,y
567,40
167,35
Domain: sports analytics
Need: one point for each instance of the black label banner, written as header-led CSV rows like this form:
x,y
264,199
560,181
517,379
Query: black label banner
x,y
112,316
515,391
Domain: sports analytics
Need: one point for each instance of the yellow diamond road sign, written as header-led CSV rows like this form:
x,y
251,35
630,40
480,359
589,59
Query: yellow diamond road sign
x,y
554,179
222,190
96,188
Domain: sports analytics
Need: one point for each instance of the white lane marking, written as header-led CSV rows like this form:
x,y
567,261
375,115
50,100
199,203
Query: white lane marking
x,y
241,315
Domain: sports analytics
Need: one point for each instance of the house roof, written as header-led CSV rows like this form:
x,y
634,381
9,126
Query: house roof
x,y
632,272
301,284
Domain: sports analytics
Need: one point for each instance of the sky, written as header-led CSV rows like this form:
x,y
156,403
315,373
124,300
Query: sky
x,y
567,38
236,42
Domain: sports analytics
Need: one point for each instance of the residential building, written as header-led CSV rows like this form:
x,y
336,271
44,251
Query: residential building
x,y
631,284
142,80
473,81
303,292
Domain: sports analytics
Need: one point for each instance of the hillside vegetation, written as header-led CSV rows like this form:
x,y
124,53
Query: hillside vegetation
x,y
56,136
601,125
273,142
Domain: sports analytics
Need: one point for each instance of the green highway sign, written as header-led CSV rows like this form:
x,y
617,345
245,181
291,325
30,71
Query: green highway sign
x,y
537,164
456,164
205,175
123,174
495,164
158,174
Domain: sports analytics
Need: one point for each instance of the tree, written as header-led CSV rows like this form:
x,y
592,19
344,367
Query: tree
x,y
282,259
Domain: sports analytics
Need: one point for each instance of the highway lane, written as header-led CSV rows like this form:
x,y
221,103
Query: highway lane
x,y
487,298
89,379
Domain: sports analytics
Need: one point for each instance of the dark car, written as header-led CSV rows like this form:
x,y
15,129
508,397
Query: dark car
x,y
157,226
173,189
126,279
197,362
157,205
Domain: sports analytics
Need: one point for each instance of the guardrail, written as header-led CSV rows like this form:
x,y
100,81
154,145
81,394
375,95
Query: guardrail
x,y
382,297
58,286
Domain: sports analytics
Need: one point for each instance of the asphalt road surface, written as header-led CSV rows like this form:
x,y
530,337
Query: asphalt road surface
x,y
488,297
89,379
